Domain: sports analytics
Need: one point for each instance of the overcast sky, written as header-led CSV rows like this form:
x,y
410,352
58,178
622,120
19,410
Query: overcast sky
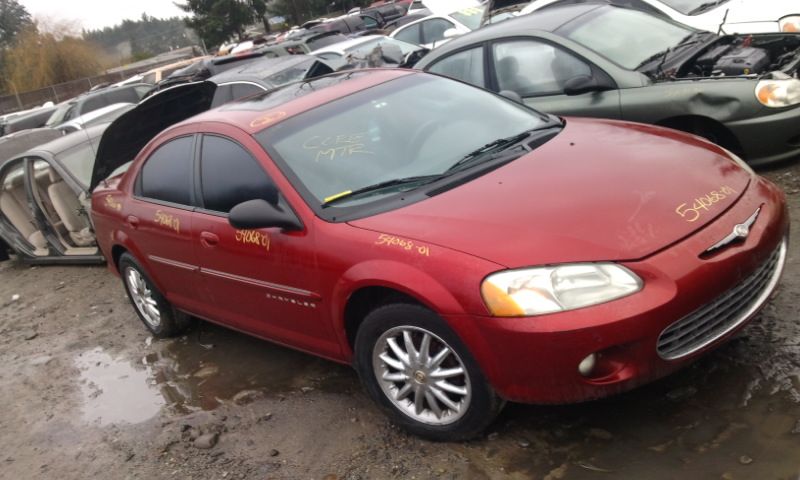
x,y
93,14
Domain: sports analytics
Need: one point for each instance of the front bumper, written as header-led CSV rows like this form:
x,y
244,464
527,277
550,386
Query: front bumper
x,y
535,359
771,138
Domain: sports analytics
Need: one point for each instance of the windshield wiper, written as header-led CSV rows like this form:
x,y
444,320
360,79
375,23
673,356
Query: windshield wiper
x,y
395,182
705,6
662,56
482,154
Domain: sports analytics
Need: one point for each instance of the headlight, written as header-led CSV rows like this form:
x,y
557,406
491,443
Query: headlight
x,y
790,24
536,291
778,93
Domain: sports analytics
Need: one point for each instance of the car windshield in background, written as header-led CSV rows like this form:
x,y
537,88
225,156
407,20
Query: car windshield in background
x,y
59,115
79,159
469,17
291,74
693,7
626,37
376,135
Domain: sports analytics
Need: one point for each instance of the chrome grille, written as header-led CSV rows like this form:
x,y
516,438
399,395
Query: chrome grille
x,y
723,314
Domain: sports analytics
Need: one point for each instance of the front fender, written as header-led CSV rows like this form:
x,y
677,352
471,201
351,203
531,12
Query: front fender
x,y
405,278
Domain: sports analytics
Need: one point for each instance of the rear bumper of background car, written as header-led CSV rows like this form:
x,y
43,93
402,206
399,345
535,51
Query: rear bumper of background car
x,y
769,139
536,359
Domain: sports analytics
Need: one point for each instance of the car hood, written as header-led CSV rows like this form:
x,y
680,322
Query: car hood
x,y
129,133
600,190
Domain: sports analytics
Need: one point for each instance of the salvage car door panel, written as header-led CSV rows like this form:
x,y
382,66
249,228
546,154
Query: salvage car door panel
x,y
262,280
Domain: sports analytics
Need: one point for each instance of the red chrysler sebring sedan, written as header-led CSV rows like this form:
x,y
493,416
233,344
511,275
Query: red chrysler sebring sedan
x,y
457,248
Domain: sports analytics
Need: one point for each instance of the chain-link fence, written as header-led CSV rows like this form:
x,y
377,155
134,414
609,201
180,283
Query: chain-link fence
x,y
65,91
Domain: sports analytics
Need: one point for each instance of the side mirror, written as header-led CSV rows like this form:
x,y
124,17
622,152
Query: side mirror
x,y
585,84
451,33
511,95
262,214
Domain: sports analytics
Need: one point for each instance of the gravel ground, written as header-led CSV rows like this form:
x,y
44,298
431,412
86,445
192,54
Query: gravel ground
x,y
86,393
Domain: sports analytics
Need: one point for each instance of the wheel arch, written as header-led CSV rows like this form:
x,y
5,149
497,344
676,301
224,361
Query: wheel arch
x,y
697,124
369,285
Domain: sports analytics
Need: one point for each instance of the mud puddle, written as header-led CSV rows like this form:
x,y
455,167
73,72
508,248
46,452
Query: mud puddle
x,y
213,365
114,391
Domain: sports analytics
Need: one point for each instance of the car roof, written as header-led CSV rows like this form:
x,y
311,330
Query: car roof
x,y
261,68
548,20
261,111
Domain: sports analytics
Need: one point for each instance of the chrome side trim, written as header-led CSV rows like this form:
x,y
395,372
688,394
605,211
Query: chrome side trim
x,y
262,284
174,263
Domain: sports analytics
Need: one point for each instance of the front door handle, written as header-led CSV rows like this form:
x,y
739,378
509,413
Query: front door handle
x,y
133,221
208,239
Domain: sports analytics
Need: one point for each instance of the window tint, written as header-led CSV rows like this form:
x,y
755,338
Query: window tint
x,y
433,30
167,174
533,68
124,94
241,90
369,22
230,175
466,66
409,34
93,103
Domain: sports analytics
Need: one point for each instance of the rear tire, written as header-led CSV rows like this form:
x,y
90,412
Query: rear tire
x,y
153,309
422,375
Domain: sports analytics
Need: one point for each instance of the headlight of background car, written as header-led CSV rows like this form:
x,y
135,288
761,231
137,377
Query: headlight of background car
x,y
536,291
777,93
790,24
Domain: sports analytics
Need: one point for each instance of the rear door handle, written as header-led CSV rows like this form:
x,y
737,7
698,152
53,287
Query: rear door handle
x,y
208,239
133,221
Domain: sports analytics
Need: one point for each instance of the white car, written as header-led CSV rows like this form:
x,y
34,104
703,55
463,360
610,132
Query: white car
x,y
357,50
106,114
436,29
725,16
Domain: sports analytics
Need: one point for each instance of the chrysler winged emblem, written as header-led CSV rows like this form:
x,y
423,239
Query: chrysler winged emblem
x,y
740,232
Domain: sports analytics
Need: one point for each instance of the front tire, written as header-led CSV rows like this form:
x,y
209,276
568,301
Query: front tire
x,y
422,375
153,309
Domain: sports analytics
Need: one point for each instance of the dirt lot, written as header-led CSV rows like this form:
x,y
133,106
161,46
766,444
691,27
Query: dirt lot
x,y
86,393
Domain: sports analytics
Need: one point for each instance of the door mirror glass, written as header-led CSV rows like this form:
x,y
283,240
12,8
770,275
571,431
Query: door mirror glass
x,y
585,84
261,214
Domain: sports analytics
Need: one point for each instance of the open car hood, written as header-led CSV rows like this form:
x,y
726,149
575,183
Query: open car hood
x,y
129,133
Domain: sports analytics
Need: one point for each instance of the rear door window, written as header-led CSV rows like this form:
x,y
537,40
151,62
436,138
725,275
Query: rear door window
x,y
167,174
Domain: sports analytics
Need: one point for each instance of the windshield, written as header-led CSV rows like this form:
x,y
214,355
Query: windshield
x,y
79,159
59,115
469,17
626,37
693,7
291,74
413,126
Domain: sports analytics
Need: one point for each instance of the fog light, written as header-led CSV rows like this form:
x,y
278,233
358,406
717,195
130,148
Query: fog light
x,y
586,366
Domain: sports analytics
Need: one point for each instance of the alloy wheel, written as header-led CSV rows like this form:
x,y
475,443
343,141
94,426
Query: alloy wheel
x,y
421,375
142,296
